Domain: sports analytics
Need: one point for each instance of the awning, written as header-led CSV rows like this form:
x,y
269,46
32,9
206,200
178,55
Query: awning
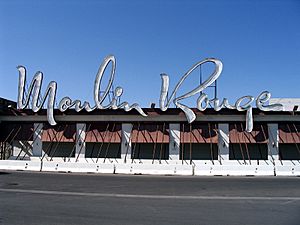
x,y
289,133
59,133
150,133
16,131
237,133
103,132
199,133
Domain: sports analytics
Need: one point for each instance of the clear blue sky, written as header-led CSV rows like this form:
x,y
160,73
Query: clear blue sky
x,y
257,41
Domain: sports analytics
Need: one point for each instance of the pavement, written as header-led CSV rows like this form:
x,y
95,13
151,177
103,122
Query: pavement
x,y
68,198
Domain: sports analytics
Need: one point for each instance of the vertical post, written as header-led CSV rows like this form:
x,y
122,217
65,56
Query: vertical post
x,y
223,141
273,142
37,140
15,148
80,141
174,145
126,141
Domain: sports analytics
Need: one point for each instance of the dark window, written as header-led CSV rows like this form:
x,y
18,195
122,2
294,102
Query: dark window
x,y
289,151
103,150
150,151
197,151
248,151
59,149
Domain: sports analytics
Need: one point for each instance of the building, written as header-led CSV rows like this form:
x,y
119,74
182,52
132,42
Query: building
x,y
115,141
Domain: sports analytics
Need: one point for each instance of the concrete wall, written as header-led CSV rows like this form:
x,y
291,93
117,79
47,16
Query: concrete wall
x,y
103,150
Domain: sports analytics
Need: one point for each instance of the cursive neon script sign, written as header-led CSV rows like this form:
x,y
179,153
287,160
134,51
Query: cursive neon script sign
x,y
34,93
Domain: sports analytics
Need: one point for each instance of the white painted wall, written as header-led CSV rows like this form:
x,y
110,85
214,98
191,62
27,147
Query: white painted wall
x,y
288,103
273,143
80,143
223,141
37,140
174,145
126,141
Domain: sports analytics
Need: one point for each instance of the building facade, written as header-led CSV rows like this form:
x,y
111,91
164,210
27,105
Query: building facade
x,y
114,141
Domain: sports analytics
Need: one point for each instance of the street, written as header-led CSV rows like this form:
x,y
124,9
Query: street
x,y
61,198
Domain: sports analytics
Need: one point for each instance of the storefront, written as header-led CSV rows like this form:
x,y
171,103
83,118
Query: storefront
x,y
162,139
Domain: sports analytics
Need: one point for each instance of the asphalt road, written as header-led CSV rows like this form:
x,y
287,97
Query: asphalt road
x,y
56,198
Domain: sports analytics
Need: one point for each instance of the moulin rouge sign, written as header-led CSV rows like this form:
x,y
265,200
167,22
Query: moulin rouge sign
x,y
242,104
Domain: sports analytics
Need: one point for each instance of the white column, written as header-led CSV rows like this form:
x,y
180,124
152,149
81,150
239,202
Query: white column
x,y
273,142
126,141
223,141
37,139
174,145
80,143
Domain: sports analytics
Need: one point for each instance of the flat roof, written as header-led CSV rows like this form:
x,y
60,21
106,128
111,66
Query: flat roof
x,y
154,115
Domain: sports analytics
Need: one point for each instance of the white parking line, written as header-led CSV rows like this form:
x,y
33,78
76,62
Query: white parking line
x,y
90,194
